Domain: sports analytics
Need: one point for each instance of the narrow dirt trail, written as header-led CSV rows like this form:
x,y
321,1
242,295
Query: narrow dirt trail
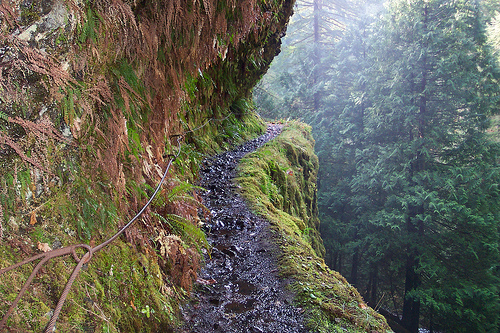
x,y
240,290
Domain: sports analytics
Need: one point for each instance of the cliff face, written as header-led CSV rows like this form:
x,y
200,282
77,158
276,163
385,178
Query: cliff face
x,y
94,97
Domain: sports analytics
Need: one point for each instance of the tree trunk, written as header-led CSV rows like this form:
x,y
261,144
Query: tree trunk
x,y
354,267
373,286
414,224
431,319
333,258
339,263
316,55
411,305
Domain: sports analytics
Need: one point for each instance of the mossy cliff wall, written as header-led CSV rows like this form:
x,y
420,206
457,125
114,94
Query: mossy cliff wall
x,y
279,181
93,97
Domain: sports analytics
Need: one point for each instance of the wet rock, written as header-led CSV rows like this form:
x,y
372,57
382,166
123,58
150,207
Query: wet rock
x,y
248,295
56,244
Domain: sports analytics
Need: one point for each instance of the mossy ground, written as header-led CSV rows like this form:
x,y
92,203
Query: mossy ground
x,y
110,295
279,181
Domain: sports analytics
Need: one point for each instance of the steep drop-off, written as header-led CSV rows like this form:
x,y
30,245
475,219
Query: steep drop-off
x,y
279,182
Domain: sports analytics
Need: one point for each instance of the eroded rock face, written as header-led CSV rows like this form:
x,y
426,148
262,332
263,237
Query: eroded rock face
x,y
48,17
239,289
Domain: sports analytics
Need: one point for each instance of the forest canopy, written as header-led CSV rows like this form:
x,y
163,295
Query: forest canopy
x,y
403,98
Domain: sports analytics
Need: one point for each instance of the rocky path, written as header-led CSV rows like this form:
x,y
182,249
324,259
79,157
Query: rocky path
x,y
239,289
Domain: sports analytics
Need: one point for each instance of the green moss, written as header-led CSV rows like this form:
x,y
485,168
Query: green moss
x,y
279,181
123,288
282,175
109,293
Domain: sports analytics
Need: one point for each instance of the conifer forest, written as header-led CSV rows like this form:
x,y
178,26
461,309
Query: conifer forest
x,y
403,97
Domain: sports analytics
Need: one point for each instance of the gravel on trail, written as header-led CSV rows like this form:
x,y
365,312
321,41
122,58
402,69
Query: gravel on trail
x,y
239,288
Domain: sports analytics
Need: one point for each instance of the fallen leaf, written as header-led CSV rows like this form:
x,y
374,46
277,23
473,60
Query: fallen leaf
x,y
132,305
362,305
33,218
44,247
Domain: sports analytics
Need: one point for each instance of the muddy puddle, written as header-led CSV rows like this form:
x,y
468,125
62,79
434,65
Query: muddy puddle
x,y
239,289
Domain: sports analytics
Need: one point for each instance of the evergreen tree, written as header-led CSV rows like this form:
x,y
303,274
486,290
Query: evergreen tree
x,y
295,84
408,182
494,34
338,132
427,175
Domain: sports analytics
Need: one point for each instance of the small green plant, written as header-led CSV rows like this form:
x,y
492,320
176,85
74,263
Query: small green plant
x,y
38,235
148,311
89,208
88,31
181,226
70,110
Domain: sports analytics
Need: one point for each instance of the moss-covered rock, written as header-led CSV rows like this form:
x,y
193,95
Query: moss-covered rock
x,y
279,181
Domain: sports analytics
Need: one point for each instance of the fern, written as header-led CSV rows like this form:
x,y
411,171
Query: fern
x,y
184,228
180,193
89,30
